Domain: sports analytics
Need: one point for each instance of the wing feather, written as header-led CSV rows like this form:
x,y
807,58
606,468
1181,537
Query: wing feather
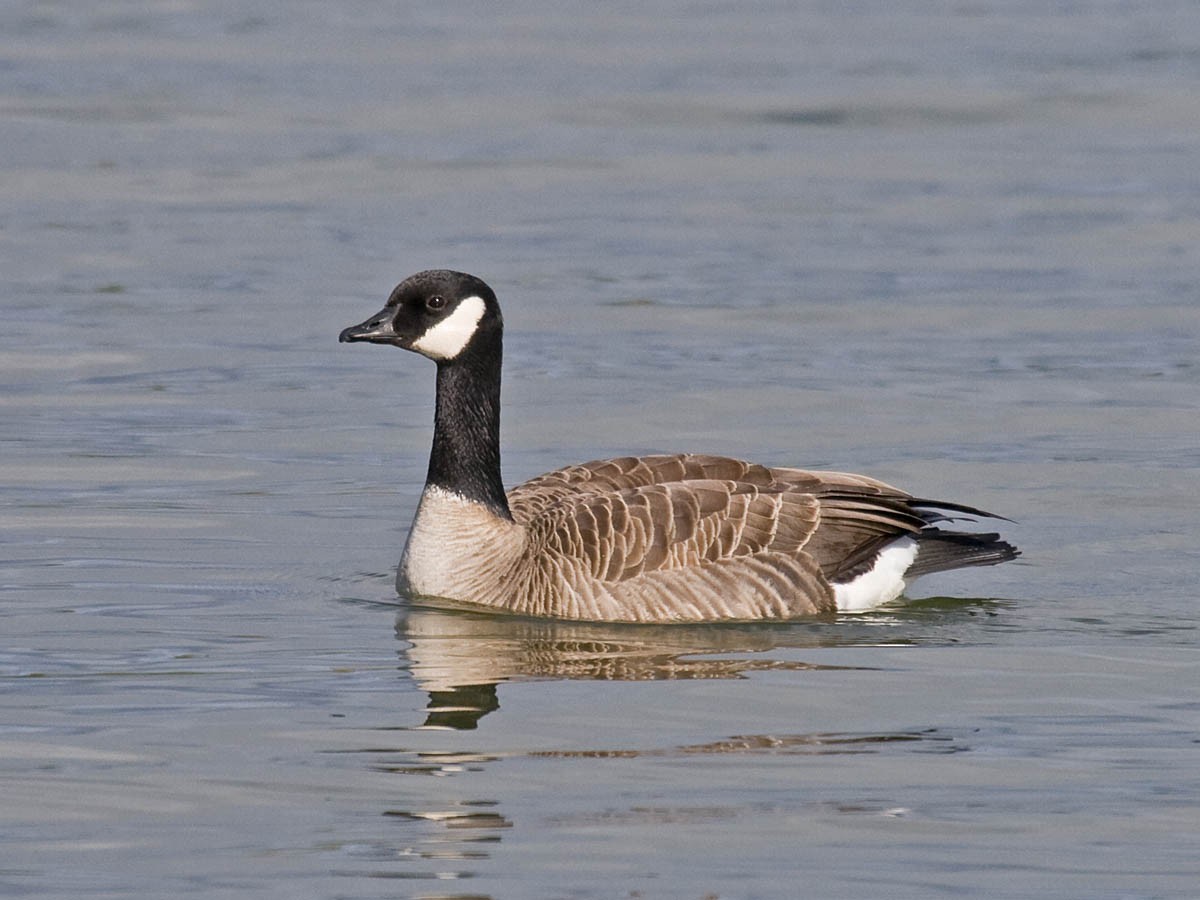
x,y
692,537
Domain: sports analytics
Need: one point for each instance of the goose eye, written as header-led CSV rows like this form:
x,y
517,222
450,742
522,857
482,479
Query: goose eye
x,y
435,302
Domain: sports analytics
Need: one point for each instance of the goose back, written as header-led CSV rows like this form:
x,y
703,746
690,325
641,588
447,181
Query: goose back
x,y
693,537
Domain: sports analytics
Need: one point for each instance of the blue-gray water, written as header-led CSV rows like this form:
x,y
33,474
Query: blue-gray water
x,y
951,245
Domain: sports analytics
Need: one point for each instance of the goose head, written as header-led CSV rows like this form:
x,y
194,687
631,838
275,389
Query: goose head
x,y
437,313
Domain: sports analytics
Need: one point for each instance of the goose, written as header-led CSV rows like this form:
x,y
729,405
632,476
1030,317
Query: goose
x,y
650,539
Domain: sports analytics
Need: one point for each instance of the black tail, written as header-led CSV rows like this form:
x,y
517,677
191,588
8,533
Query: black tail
x,y
940,550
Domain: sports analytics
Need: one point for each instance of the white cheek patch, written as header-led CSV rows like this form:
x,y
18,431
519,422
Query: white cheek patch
x,y
447,338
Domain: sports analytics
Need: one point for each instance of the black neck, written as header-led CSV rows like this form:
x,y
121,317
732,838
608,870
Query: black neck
x,y
466,427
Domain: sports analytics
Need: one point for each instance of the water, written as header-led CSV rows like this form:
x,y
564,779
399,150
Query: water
x,y
949,245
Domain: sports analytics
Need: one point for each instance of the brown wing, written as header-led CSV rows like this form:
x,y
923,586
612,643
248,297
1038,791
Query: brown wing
x,y
716,507
619,535
701,537
683,550
607,475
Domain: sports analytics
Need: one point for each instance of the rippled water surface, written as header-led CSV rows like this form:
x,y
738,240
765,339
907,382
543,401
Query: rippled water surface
x,y
952,245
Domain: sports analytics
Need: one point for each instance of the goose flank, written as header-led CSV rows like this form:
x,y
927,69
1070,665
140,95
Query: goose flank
x,y
669,538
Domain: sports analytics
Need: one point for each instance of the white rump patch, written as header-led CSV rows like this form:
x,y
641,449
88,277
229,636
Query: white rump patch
x,y
447,338
883,583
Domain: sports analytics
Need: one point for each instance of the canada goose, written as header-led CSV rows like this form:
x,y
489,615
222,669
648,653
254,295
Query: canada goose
x,y
679,538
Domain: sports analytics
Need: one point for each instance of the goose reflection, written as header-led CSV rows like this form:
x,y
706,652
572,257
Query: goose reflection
x,y
458,657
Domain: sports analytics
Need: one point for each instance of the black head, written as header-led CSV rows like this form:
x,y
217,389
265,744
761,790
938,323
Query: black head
x,y
437,313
